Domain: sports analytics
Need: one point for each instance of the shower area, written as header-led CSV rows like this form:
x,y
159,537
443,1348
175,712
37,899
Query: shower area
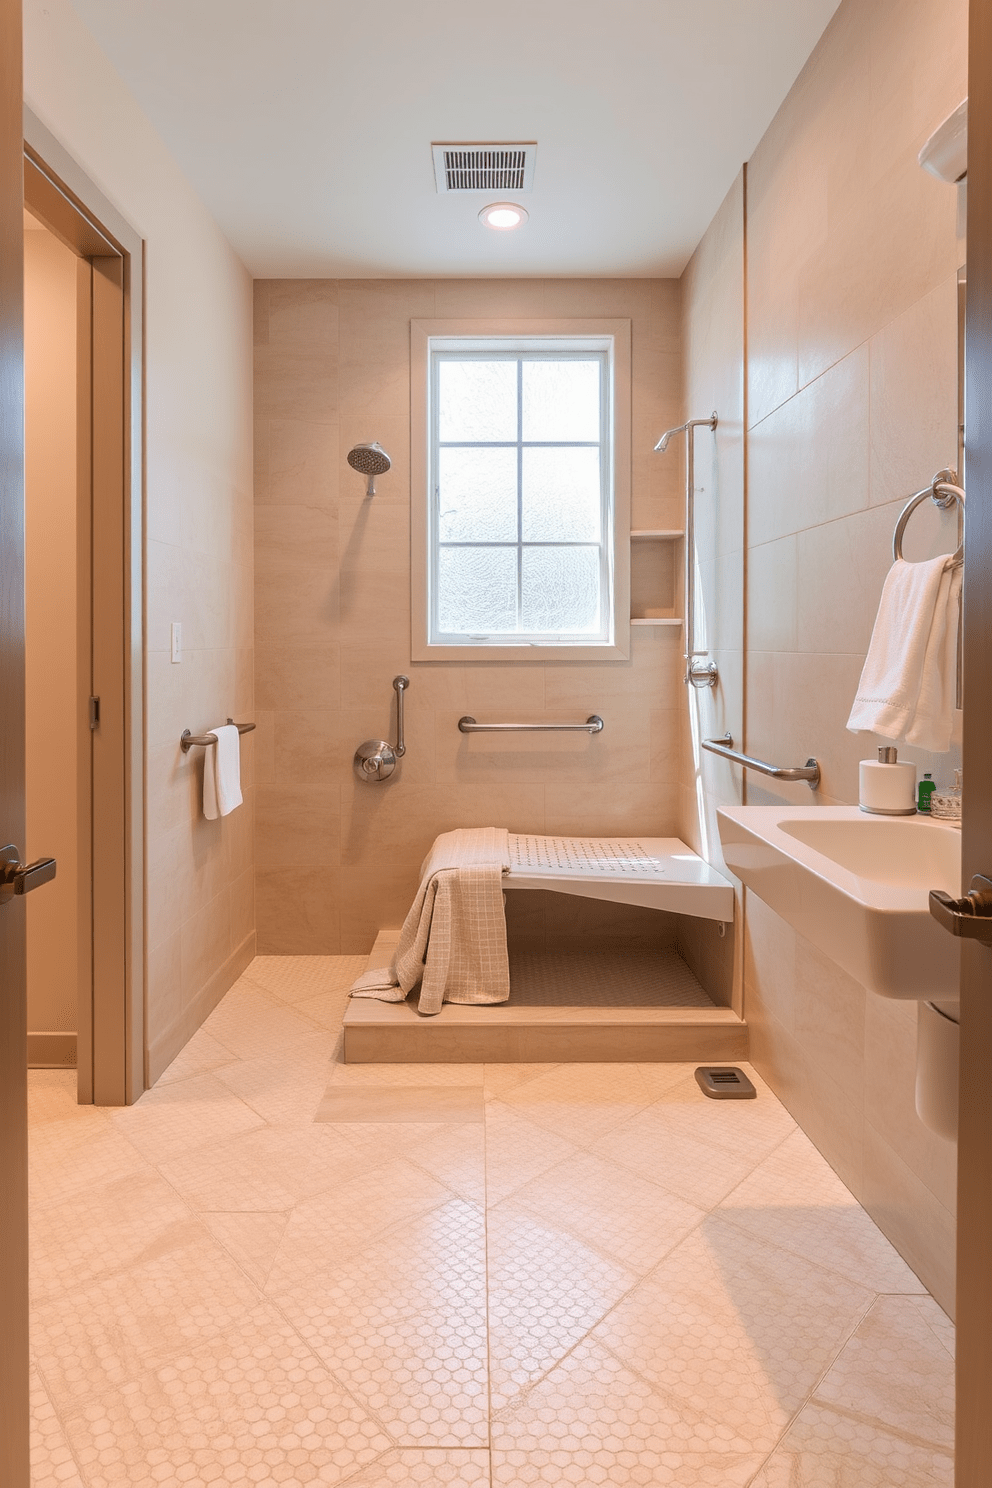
x,y
620,916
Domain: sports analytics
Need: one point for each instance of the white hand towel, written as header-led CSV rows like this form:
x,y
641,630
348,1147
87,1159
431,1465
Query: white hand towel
x,y
908,682
222,773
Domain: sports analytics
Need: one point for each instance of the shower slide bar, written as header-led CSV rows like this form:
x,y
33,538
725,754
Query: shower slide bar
x,y
592,725
810,772
187,740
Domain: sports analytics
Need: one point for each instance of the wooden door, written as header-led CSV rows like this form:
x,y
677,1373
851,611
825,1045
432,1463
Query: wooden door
x,y
974,1301
14,1468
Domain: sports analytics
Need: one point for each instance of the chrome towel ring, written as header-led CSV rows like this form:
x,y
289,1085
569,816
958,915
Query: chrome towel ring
x,y
943,492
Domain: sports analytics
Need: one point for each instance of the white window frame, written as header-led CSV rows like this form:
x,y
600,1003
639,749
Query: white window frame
x,y
609,336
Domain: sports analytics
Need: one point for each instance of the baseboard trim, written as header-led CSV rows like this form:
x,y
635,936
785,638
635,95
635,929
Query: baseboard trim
x,y
51,1051
163,1050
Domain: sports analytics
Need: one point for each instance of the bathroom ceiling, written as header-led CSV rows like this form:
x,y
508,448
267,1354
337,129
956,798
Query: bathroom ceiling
x,y
306,125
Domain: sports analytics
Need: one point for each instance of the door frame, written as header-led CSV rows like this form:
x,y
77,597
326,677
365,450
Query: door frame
x,y
110,1028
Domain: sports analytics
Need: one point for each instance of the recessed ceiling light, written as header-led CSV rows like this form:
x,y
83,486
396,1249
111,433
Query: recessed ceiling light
x,y
503,216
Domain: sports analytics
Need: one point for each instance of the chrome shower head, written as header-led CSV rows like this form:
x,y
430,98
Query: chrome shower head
x,y
371,460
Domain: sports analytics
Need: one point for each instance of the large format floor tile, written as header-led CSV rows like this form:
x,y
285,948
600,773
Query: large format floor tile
x,y
590,1276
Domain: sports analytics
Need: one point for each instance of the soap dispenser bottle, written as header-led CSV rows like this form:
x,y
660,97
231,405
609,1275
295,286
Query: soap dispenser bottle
x,y
887,785
927,787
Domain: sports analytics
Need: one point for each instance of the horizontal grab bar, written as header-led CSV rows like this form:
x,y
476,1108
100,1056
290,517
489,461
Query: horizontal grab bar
x,y
187,740
810,772
592,725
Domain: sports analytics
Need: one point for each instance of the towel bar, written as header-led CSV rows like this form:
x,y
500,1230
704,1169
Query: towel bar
x,y
187,740
592,725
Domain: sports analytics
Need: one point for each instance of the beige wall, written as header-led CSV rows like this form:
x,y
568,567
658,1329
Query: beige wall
x,y
851,329
51,685
199,533
713,381
338,859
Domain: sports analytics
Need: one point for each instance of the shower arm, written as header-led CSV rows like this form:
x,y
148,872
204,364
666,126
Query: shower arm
x,y
703,674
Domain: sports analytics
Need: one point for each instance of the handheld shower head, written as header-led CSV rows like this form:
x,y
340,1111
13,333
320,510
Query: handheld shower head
x,y
371,460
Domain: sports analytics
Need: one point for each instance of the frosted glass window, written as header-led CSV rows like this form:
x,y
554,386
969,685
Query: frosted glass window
x,y
561,491
477,589
477,495
561,400
560,590
477,400
521,481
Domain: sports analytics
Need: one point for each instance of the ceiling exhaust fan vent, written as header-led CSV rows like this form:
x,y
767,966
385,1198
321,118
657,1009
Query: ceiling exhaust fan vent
x,y
484,167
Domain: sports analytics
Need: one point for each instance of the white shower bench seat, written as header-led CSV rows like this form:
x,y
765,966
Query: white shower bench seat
x,y
655,872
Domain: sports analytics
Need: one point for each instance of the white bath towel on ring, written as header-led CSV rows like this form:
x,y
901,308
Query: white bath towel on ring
x,y
907,685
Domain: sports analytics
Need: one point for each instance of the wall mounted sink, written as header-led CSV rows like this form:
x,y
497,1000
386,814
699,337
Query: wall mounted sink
x,y
857,886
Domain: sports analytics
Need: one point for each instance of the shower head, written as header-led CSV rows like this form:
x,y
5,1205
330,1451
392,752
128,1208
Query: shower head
x,y
371,460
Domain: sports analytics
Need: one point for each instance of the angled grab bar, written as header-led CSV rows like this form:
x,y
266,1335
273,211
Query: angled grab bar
x,y
592,725
810,772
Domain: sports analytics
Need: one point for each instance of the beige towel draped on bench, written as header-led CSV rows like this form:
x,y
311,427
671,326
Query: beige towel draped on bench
x,y
453,940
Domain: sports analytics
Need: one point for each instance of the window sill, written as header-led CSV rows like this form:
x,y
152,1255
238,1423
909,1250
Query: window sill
x,y
618,651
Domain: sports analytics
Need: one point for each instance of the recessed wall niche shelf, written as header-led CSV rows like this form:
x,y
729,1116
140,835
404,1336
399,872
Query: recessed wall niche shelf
x,y
654,579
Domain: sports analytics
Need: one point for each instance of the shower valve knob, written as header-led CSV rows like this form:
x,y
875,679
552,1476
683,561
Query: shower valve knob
x,y
375,760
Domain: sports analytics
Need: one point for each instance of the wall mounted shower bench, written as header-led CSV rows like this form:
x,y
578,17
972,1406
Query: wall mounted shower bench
x,y
654,872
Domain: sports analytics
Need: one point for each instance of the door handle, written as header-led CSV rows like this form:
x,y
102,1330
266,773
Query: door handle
x,y
20,878
970,916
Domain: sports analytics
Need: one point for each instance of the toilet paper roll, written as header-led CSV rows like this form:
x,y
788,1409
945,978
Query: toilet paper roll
x,y
887,790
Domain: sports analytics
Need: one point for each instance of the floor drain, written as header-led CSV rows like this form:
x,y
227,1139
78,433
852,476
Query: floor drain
x,y
725,1083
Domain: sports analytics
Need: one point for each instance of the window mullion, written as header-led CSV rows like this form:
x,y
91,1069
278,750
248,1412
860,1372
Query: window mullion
x,y
520,492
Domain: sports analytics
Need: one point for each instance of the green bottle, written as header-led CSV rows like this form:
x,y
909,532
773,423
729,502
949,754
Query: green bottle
x,y
926,790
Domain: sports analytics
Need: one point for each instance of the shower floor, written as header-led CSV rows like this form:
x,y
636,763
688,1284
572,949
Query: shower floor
x,y
641,1006
640,978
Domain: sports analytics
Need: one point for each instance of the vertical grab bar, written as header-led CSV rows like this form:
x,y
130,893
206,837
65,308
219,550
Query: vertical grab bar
x,y
706,674
400,684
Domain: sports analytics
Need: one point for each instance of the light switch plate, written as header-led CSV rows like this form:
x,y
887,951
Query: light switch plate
x,y
177,641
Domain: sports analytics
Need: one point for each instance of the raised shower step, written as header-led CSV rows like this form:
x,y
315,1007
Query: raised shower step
x,y
543,1033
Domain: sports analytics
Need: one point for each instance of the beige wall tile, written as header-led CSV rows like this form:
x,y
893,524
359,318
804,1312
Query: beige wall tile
x,y
808,461
914,395
205,938
890,1105
298,826
772,595
288,538
770,972
302,312
841,567
295,461
298,677
297,911
468,298
905,1210
165,985
830,1023
296,382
